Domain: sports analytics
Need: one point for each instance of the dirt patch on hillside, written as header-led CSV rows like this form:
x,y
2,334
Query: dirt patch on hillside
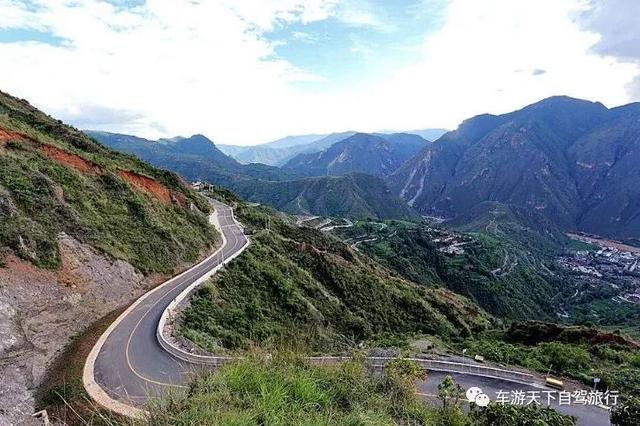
x,y
180,199
147,185
8,136
535,332
72,160
309,248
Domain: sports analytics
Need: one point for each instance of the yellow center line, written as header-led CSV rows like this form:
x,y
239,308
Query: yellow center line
x,y
129,343
130,365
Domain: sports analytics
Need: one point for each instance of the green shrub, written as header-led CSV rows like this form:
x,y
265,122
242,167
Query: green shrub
x,y
626,413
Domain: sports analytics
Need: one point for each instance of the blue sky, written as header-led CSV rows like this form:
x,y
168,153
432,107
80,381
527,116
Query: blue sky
x,y
15,35
356,51
250,71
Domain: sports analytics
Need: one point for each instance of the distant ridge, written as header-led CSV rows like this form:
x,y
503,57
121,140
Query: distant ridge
x,y
572,161
278,152
374,154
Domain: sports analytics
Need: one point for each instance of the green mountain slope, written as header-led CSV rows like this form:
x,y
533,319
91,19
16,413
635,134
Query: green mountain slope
x,y
501,275
301,283
567,159
54,179
354,195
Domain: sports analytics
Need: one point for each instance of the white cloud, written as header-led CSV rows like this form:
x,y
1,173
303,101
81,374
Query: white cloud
x,y
474,65
617,24
190,66
264,14
304,37
175,67
362,13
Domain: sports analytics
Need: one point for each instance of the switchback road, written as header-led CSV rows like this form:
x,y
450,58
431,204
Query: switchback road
x,y
128,366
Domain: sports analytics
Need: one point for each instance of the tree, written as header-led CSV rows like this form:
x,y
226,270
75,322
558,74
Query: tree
x,y
450,393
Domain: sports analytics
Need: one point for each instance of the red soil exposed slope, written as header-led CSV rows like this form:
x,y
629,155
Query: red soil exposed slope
x,y
141,182
147,185
71,160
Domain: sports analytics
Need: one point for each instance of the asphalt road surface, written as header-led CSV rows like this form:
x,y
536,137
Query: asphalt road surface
x,y
587,415
131,366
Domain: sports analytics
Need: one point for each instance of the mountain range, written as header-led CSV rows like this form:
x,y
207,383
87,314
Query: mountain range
x,y
198,159
373,154
570,161
280,151
557,165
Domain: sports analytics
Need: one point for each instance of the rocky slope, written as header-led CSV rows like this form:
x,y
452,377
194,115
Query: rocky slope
x,y
83,231
41,310
568,160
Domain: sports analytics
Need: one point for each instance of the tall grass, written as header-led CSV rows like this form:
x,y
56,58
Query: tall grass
x,y
287,390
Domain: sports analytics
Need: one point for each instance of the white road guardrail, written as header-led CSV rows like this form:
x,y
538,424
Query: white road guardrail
x,y
172,309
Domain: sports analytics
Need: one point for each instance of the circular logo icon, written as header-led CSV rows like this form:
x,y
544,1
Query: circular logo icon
x,y
472,393
482,400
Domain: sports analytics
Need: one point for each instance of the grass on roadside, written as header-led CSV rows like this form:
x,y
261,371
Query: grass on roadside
x,y
287,390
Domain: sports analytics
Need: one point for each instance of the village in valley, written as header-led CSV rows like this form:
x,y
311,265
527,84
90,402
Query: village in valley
x,y
609,264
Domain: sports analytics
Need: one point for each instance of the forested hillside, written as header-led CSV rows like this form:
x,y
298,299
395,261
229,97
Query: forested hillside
x,y
301,285
499,274
353,195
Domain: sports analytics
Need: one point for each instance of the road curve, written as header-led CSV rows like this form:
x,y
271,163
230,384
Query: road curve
x,y
588,415
128,365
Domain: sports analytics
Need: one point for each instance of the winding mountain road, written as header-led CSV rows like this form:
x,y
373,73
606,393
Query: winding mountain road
x,y
128,364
